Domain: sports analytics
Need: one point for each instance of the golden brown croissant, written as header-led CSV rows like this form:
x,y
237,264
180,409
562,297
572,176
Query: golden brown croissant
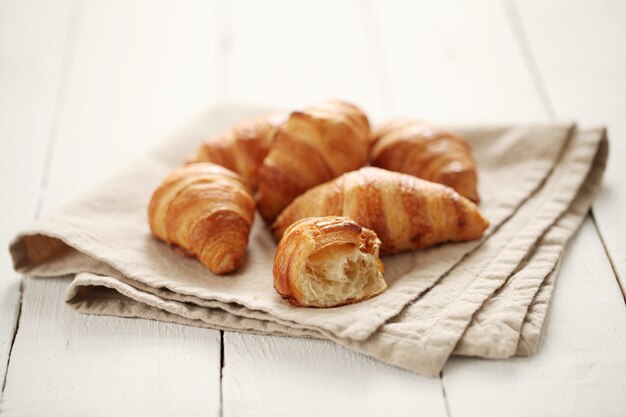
x,y
405,212
206,211
426,152
242,148
327,262
313,146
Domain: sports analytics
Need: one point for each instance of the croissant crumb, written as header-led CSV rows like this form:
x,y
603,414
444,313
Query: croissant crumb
x,y
328,262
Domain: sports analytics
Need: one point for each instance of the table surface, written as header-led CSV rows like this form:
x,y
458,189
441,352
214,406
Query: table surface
x,y
88,86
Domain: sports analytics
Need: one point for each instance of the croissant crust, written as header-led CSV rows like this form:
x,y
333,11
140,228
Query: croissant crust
x,y
205,211
242,148
327,262
313,146
426,152
405,212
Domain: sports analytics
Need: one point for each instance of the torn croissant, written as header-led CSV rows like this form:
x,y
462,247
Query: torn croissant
x,y
328,262
313,146
427,152
243,147
405,212
205,211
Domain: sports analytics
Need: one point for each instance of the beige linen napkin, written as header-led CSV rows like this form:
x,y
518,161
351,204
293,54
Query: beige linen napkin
x,y
530,179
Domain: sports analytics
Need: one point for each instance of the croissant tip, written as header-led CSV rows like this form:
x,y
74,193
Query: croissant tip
x,y
227,264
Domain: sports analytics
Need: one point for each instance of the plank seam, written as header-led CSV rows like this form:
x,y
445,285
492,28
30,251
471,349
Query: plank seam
x,y
59,102
445,396
606,252
533,67
16,327
377,52
221,373
66,61
521,38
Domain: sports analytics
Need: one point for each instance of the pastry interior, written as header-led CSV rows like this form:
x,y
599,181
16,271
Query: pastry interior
x,y
340,274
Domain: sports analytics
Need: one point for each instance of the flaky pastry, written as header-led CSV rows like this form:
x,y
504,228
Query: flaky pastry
x,y
205,211
243,147
313,146
427,152
327,262
405,212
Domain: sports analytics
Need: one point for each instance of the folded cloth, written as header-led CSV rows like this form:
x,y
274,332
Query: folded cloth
x,y
485,298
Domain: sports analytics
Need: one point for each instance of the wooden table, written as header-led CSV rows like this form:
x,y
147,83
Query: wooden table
x,y
88,86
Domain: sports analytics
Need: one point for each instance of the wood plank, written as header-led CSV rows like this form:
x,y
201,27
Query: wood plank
x,y
455,61
33,35
466,88
581,58
281,376
579,368
307,52
140,69
432,72
290,54
65,363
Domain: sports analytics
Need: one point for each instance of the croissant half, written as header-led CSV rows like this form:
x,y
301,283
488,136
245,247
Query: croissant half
x,y
313,146
405,212
426,152
206,211
327,262
242,148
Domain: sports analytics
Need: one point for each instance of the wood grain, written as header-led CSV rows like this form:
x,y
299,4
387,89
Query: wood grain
x,y
313,51
580,364
577,368
455,61
65,363
135,75
291,54
140,69
273,376
33,38
583,66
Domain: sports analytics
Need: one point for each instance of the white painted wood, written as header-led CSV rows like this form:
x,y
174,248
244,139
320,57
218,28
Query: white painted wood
x,y
70,364
583,64
137,73
275,376
472,69
439,90
289,54
579,368
142,69
580,365
32,39
138,70
455,60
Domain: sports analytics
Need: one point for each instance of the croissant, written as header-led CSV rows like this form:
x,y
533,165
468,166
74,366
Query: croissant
x,y
327,262
242,148
426,152
313,146
205,211
405,212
